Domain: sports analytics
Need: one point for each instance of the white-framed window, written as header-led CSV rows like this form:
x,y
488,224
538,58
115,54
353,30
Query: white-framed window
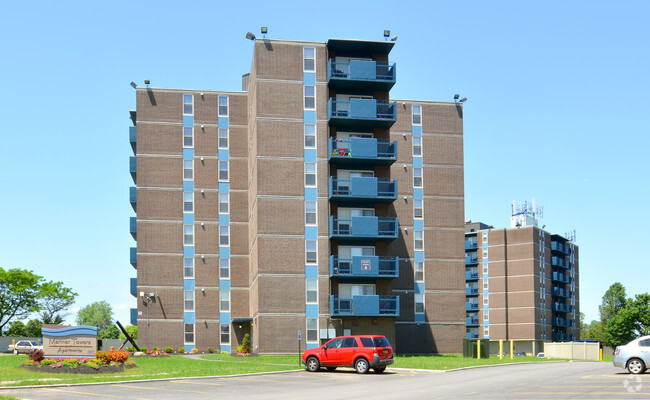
x,y
188,297
188,235
485,284
224,268
223,138
485,236
418,208
310,213
309,59
188,267
311,251
486,300
418,267
223,171
419,303
312,290
310,174
486,332
310,97
310,136
188,202
225,334
417,146
224,301
486,315
223,106
188,136
224,235
485,268
224,203
417,177
418,240
188,170
189,333
188,104
417,114
312,329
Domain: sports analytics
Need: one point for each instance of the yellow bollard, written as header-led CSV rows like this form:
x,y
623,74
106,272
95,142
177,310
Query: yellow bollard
x,y
511,349
601,354
500,349
478,349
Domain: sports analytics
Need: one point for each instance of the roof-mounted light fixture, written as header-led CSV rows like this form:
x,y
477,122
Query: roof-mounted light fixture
x,y
250,36
386,34
133,85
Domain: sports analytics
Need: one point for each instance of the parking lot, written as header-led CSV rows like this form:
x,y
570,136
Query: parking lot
x,y
561,380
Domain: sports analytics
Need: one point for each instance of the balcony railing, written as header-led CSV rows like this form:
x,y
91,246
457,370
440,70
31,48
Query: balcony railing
x,y
471,245
134,316
355,189
561,247
471,321
364,267
560,292
561,307
368,113
471,306
471,275
562,322
134,257
133,225
365,306
561,337
132,168
134,286
471,291
364,228
560,277
469,260
560,262
361,74
362,151
133,197
132,137
471,335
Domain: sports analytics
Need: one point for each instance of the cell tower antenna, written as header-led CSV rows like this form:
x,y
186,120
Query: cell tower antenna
x,y
571,236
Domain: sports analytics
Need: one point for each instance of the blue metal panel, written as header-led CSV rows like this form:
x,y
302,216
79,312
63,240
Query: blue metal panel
x,y
363,108
309,78
309,117
188,251
70,331
309,346
418,193
418,224
133,196
134,316
224,252
485,245
188,317
363,187
134,256
188,186
188,284
225,347
224,187
309,155
132,134
365,226
311,232
368,305
188,218
134,286
224,284
311,310
188,120
416,130
420,317
417,162
418,287
363,147
311,271
223,155
311,194
418,256
223,122
133,225
224,219
224,317
363,69
188,154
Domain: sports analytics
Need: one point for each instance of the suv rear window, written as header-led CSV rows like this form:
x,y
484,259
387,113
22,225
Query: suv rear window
x,y
381,342
367,342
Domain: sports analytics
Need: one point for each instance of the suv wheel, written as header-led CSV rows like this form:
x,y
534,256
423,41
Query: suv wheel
x,y
361,365
313,364
379,370
636,366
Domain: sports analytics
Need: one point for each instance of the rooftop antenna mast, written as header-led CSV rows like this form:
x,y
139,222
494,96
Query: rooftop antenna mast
x,y
525,213
571,236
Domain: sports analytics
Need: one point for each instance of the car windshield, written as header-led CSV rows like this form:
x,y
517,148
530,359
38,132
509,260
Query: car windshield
x,y
34,343
381,342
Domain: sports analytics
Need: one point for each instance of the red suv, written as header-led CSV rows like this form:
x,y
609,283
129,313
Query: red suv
x,y
361,352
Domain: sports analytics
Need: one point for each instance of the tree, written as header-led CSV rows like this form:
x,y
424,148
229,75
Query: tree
x,y
629,322
33,328
131,330
99,314
19,294
595,330
55,298
17,328
613,301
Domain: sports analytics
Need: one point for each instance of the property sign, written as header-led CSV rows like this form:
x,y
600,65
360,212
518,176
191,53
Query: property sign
x,y
69,341
365,265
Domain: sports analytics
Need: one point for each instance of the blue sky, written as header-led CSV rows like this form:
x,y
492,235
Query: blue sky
x,y
558,110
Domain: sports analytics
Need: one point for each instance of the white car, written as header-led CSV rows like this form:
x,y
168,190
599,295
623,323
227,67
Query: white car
x,y
634,356
25,346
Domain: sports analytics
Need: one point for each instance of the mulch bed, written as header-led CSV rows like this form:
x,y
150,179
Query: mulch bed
x,y
82,369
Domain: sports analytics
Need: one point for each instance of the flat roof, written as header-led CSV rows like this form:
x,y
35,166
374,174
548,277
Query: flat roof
x,y
360,46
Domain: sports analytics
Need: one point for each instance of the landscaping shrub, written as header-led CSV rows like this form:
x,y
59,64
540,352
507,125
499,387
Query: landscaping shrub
x,y
36,355
107,357
195,350
155,349
169,349
181,350
143,349
210,350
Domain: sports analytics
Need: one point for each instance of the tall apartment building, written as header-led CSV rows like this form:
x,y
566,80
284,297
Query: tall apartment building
x,y
306,206
522,284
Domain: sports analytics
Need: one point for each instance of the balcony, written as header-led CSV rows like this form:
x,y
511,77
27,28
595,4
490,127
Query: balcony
x,y
471,260
134,287
134,316
471,321
471,275
560,277
364,267
560,292
365,306
358,189
134,257
560,307
471,306
561,247
133,197
471,244
367,113
132,137
471,291
471,335
562,322
132,167
362,151
561,337
364,228
560,262
133,222
365,75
